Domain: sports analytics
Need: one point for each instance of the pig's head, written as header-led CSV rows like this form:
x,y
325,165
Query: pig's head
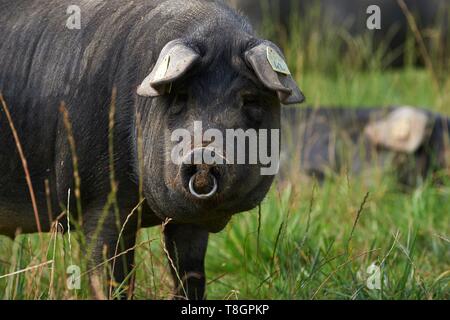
x,y
196,93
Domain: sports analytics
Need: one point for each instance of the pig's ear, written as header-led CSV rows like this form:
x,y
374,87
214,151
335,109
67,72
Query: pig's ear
x,y
269,65
403,130
174,61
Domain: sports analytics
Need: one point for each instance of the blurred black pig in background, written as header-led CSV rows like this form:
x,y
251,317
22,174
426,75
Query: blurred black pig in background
x,y
319,142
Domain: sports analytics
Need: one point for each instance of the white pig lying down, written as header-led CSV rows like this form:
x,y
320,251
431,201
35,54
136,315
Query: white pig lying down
x,y
319,142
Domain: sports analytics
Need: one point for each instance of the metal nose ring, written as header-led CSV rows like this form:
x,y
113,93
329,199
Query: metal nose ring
x,y
202,196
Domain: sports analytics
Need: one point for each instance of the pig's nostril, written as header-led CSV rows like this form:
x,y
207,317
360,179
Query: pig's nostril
x,y
203,185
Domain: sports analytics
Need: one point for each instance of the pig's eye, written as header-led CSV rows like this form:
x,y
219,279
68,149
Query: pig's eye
x,y
179,103
252,108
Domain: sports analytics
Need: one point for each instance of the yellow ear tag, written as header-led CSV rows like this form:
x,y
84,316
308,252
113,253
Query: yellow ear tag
x,y
277,62
162,68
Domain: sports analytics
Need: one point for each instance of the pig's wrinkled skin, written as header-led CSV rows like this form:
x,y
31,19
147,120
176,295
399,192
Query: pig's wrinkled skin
x,y
42,62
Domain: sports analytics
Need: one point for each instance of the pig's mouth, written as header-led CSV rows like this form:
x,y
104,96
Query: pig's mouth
x,y
206,194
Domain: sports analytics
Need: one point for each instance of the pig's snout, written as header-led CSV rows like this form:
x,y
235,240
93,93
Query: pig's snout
x,y
203,180
203,185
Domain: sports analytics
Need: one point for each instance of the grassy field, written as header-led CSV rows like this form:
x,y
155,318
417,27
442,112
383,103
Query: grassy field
x,y
307,241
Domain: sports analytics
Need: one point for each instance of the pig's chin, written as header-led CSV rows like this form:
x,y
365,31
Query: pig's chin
x,y
211,222
212,218
215,225
182,213
213,214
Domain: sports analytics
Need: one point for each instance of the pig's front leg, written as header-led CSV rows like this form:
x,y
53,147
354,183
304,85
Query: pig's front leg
x,y
101,241
186,245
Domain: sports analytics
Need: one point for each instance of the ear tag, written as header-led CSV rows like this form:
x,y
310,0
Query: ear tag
x,y
277,62
162,69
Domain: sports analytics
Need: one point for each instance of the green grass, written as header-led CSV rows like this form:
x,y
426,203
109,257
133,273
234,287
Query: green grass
x,y
314,242
377,88
399,232
305,248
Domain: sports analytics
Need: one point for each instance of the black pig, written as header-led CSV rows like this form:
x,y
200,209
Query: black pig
x,y
171,63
